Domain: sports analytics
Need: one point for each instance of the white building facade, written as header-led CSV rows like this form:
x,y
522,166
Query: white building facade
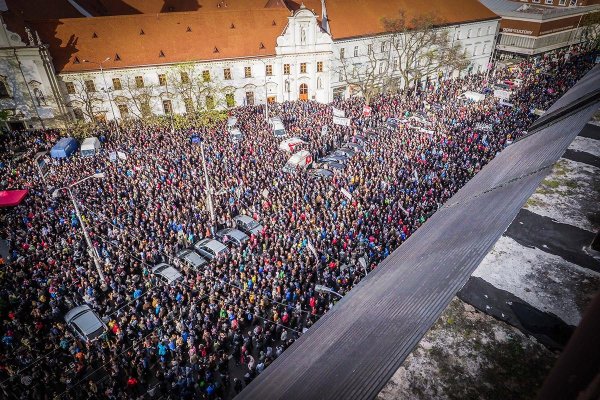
x,y
30,93
305,66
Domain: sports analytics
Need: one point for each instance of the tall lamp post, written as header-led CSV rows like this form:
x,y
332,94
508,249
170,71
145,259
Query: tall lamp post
x,y
266,91
91,248
106,89
168,97
209,202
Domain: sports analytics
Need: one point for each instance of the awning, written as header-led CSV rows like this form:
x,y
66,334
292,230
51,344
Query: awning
x,y
11,198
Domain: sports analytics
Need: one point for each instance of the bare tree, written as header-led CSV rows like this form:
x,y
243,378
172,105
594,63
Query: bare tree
x,y
138,95
86,97
421,47
591,30
368,76
195,86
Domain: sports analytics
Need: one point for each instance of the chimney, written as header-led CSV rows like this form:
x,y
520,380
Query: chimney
x,y
324,19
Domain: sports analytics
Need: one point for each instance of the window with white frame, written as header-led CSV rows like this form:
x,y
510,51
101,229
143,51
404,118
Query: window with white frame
x,y
355,51
549,2
562,2
250,98
89,86
70,87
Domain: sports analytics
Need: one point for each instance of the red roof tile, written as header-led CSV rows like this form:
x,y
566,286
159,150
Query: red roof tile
x,y
71,38
355,18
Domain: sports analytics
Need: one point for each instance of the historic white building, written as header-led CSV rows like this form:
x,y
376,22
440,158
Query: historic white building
x,y
239,53
29,89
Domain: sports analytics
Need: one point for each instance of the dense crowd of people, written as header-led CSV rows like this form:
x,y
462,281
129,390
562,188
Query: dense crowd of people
x,y
210,334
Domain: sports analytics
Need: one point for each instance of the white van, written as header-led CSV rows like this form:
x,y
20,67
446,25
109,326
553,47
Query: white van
x,y
231,121
278,127
90,147
301,159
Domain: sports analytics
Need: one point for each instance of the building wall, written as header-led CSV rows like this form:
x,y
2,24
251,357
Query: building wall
x,y
302,43
529,37
27,73
476,38
561,3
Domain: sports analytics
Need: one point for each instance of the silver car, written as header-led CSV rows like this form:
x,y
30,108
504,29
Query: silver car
x,y
191,259
247,224
236,135
233,236
85,323
167,273
210,248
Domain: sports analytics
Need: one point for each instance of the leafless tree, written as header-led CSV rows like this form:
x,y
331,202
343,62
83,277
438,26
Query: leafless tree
x,y
86,98
421,47
591,30
368,75
195,86
138,95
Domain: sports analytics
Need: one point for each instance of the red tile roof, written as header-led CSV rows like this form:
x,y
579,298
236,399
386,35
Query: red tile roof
x,y
355,18
189,36
127,7
210,29
20,10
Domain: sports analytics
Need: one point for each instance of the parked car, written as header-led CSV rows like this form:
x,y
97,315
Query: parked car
x,y
358,138
233,236
85,323
247,224
211,248
334,158
236,135
332,165
90,146
167,273
345,151
189,258
354,146
231,121
278,127
321,173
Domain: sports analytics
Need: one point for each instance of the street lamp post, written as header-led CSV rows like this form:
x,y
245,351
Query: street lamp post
x,y
88,241
112,109
171,107
266,91
209,202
